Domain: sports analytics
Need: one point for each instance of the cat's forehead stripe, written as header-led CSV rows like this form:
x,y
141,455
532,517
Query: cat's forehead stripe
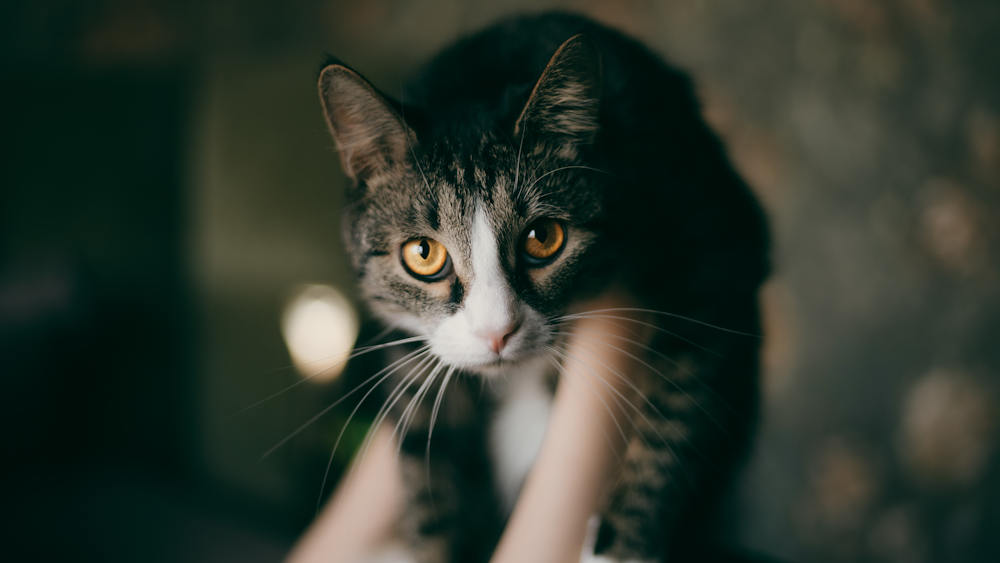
x,y
426,208
458,167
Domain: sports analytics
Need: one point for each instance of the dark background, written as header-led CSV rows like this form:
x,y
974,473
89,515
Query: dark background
x,y
166,180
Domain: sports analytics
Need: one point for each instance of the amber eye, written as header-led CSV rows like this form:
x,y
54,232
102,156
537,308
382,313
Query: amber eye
x,y
426,259
543,240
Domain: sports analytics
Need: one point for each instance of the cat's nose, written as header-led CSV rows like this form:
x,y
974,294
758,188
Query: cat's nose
x,y
497,339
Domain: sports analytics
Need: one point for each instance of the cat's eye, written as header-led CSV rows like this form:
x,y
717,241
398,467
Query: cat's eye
x,y
425,259
542,241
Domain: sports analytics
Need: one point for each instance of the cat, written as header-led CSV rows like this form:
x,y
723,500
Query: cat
x,y
531,167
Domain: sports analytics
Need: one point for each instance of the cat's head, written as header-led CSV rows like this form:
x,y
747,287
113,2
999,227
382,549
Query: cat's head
x,y
475,236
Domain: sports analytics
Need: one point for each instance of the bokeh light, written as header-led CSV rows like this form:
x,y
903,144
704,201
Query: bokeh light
x,y
320,327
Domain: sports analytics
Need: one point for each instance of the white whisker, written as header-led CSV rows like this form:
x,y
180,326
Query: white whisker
x,y
689,319
561,168
580,396
341,400
394,366
606,407
357,352
412,407
430,433
391,402
676,364
638,411
517,169
409,142
637,321
658,372
369,435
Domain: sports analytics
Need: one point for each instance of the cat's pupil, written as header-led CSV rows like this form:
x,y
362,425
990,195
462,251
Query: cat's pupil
x,y
425,249
539,233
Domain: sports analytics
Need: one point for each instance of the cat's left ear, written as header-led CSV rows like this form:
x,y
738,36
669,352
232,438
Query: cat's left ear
x,y
564,105
370,134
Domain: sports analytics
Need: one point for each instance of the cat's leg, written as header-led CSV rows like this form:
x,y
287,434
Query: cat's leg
x,y
694,425
632,524
429,523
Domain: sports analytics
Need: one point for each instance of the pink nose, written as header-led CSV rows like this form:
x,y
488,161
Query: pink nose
x,y
497,339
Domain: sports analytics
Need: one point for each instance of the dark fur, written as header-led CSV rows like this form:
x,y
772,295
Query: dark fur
x,y
666,218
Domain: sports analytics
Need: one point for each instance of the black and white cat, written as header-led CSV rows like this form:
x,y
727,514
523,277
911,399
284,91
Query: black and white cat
x,y
532,167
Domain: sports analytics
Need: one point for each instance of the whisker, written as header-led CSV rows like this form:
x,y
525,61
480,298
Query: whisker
x,y
606,407
670,449
394,397
676,364
593,415
430,432
607,319
385,332
397,391
637,321
358,201
658,372
692,446
406,359
357,352
411,410
341,400
434,413
517,169
638,411
561,168
390,403
565,355
673,315
534,171
357,349
409,142
655,409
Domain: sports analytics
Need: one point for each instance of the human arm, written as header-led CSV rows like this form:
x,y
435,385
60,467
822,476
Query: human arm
x,y
563,490
580,453
360,516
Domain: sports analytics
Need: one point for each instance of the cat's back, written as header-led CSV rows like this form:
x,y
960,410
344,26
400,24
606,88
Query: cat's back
x,y
494,71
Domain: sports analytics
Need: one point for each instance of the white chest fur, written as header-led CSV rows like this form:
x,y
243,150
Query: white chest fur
x,y
517,432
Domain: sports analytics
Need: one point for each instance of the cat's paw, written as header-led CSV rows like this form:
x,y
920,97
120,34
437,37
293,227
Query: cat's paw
x,y
593,524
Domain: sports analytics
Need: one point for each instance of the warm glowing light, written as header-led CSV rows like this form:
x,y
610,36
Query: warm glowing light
x,y
320,327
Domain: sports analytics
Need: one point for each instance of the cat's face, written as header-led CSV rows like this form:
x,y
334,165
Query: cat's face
x,y
480,257
475,242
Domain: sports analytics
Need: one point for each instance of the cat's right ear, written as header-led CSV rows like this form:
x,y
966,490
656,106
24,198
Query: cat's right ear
x,y
371,136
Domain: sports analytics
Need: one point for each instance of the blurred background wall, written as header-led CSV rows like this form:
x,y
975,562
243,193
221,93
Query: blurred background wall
x,y
167,186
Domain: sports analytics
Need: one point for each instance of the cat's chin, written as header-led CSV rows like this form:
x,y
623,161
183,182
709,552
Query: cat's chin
x,y
489,370
506,367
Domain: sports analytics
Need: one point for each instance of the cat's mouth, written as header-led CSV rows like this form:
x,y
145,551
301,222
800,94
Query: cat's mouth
x,y
518,358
